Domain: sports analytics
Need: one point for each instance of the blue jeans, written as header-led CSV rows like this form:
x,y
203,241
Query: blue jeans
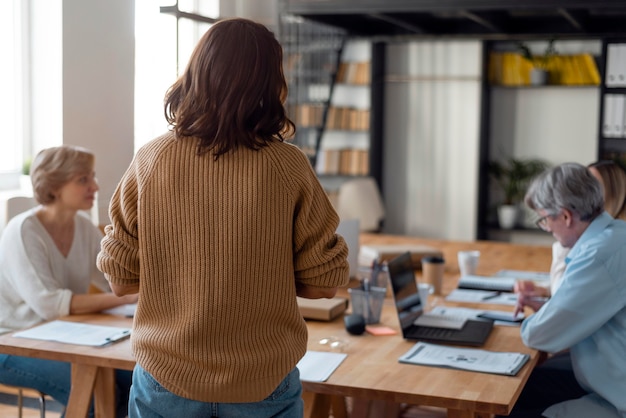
x,y
550,383
54,378
148,399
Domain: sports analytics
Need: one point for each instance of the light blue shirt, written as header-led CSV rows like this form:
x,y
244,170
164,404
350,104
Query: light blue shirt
x,y
588,315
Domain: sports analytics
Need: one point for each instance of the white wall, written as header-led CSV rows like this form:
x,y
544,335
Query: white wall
x,y
262,11
431,138
46,66
558,124
98,86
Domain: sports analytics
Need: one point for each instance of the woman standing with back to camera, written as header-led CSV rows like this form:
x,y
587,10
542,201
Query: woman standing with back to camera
x,y
218,225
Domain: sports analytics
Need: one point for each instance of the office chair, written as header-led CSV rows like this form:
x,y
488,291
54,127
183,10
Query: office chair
x,y
20,402
18,204
360,198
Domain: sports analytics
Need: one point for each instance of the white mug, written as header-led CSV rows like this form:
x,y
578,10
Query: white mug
x,y
425,290
468,261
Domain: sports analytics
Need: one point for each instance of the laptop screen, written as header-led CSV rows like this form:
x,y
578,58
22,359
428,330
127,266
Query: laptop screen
x,y
405,293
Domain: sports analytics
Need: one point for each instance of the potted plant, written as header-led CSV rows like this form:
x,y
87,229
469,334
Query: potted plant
x,y
540,63
25,184
513,176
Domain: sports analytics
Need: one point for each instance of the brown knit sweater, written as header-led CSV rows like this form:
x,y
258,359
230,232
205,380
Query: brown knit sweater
x,y
217,247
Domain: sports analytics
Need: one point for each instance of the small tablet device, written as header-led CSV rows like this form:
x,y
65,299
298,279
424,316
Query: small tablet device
x,y
501,316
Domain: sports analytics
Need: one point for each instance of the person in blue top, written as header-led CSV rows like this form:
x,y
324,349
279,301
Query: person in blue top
x,y
587,316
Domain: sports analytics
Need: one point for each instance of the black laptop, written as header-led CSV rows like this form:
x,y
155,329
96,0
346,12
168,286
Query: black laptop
x,y
409,307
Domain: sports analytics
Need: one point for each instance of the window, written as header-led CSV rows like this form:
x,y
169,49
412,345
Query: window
x,y
164,42
12,106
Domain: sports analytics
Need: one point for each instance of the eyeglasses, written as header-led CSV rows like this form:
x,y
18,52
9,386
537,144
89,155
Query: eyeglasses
x,y
542,223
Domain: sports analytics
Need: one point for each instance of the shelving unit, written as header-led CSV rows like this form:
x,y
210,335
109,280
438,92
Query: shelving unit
x,y
564,113
311,58
345,141
335,92
560,120
612,122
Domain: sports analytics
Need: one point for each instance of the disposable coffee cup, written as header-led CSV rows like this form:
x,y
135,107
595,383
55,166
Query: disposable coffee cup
x,y
468,262
432,272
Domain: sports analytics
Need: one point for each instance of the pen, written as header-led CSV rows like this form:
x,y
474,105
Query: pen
x,y
119,336
493,296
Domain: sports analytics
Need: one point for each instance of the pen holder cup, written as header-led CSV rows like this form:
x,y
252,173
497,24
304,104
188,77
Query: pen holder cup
x,y
375,278
368,303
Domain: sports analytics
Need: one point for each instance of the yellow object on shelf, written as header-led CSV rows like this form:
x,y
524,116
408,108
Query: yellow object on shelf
x,y
511,69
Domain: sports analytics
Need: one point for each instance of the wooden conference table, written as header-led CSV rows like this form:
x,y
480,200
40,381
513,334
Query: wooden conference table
x,y
371,370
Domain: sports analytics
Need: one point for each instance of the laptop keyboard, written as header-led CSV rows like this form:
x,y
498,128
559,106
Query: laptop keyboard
x,y
427,332
440,321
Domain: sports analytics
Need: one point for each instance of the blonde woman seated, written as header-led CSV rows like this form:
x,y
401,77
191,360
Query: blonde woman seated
x,y
612,177
47,263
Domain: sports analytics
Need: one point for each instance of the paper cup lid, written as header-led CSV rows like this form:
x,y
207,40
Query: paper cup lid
x,y
432,259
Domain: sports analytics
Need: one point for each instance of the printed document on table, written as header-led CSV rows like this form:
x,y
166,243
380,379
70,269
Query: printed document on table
x,y
317,366
471,313
75,333
471,359
482,296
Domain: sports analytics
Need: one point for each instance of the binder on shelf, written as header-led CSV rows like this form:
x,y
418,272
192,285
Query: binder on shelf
x,y
615,63
621,69
618,115
624,120
607,122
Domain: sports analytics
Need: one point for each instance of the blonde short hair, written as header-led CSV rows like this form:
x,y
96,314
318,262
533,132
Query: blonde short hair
x,y
54,167
614,186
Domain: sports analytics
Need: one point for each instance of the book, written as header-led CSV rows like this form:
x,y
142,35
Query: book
x,y
322,309
472,359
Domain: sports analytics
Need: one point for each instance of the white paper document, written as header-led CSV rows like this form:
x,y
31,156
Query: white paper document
x,y
75,333
317,366
471,359
536,276
470,313
482,296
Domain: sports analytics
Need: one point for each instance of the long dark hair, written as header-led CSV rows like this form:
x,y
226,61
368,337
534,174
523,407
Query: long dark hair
x,y
232,91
